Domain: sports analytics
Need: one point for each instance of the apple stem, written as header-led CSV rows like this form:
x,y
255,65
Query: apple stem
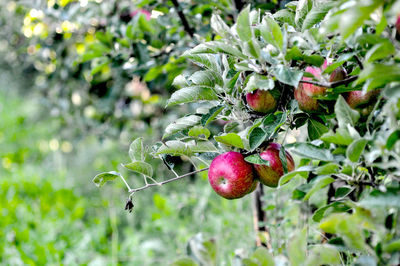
x,y
133,190
331,84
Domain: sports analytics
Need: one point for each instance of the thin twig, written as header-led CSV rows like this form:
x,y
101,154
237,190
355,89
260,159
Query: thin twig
x,y
126,184
167,181
182,16
331,84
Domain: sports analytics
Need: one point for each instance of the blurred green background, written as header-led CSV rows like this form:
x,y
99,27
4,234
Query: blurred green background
x,y
52,213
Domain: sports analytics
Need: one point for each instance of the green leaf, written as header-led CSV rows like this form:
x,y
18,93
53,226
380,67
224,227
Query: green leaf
x,y
355,14
297,248
140,167
184,262
380,51
321,212
191,94
180,81
378,199
271,32
340,137
211,115
100,179
263,257
392,139
302,9
220,27
206,78
307,150
136,150
344,114
256,138
243,25
282,157
287,75
204,60
393,246
343,224
199,130
327,169
257,81
323,255
178,148
256,159
181,124
315,129
317,14
230,139
319,183
252,48
355,149
220,47
378,75
285,16
342,192
303,170
339,61
99,64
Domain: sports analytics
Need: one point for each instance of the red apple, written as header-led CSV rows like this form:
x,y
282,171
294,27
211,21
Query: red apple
x,y
305,93
398,24
338,74
362,102
261,101
231,176
270,175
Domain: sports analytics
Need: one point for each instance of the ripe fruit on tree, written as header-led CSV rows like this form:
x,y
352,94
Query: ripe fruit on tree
x,y
261,101
231,176
398,25
305,92
362,102
270,175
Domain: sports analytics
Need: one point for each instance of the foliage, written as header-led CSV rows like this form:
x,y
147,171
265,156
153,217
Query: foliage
x,y
51,214
348,166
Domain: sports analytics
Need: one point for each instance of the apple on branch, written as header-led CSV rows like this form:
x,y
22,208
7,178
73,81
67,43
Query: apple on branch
x,y
362,102
231,176
261,101
270,175
305,93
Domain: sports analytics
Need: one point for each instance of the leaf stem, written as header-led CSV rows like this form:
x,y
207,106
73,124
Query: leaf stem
x,y
126,184
166,181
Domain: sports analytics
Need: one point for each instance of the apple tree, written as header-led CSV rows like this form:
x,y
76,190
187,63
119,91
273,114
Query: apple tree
x,y
309,100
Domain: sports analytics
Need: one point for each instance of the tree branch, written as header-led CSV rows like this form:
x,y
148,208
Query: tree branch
x,y
331,84
239,5
182,16
167,181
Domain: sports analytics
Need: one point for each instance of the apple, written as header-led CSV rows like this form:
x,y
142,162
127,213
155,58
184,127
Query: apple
x,y
231,176
338,74
270,175
261,101
398,24
305,93
362,102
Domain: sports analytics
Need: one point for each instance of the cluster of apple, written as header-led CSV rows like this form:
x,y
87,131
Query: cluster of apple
x,y
306,95
232,177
